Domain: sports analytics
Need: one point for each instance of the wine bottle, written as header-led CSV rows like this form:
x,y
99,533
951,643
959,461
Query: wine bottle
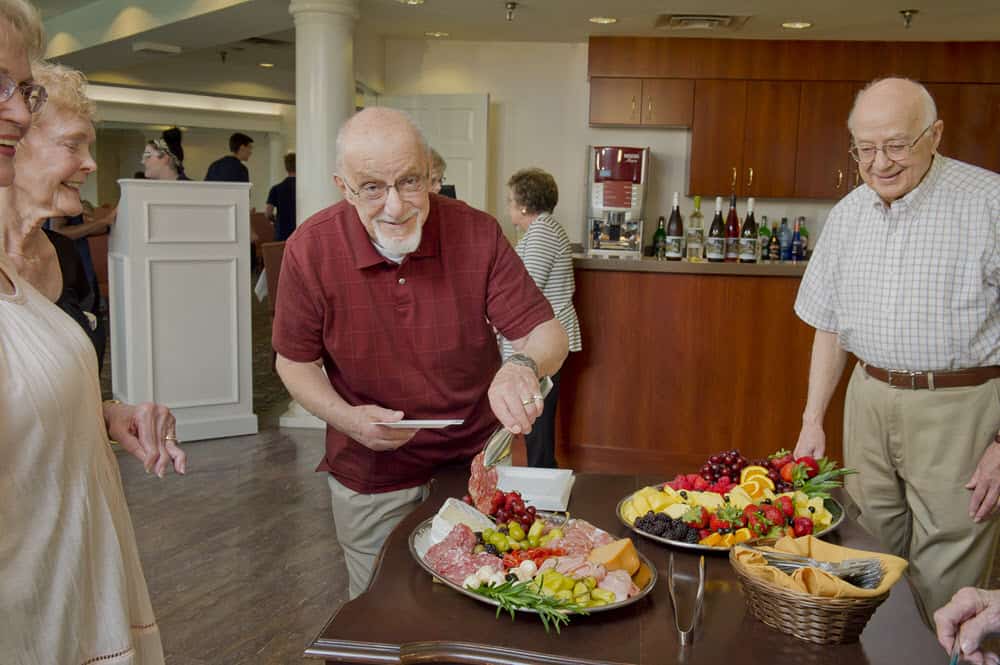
x,y
660,239
774,247
748,236
732,232
797,253
715,243
763,240
785,240
804,232
675,232
695,233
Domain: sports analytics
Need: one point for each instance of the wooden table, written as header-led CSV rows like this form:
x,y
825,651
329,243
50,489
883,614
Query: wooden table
x,y
404,617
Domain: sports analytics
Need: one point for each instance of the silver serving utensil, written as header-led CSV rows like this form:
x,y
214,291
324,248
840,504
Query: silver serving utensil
x,y
498,445
956,648
686,635
863,573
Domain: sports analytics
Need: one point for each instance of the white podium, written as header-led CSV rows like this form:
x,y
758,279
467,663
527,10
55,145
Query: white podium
x,y
179,291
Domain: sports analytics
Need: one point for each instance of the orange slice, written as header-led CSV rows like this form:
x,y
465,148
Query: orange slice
x,y
764,481
727,540
752,472
742,536
712,540
754,488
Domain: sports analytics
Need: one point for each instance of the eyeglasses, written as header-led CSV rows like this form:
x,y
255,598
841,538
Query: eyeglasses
x,y
896,151
376,191
34,94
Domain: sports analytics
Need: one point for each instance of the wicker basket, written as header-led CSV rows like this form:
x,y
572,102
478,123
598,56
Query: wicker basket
x,y
811,618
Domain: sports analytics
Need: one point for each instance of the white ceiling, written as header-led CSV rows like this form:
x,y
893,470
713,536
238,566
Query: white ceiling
x,y
534,20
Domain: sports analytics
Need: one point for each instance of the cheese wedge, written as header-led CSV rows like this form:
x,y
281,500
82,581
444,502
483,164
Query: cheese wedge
x,y
619,555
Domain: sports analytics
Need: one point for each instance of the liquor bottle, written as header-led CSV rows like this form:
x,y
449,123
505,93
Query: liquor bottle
x,y
732,232
804,232
695,233
785,240
748,236
715,243
763,240
674,248
774,247
797,253
660,239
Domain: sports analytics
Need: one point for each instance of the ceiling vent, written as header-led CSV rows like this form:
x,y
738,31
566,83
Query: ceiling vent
x,y
700,22
264,41
155,48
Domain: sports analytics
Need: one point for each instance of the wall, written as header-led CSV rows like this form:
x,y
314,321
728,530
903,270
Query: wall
x,y
539,106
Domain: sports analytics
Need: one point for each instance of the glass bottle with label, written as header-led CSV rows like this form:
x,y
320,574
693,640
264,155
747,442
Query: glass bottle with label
x,y
675,233
695,233
785,239
660,239
774,247
763,240
804,232
732,232
748,236
797,253
715,243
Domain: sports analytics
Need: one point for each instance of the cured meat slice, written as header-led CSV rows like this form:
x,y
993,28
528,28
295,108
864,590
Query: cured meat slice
x,y
619,583
579,537
453,559
482,484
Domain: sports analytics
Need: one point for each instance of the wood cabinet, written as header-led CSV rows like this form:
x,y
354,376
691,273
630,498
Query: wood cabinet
x,y
823,167
740,138
641,102
971,131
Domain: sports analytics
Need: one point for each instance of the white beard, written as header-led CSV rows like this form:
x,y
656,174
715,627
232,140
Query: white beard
x,y
396,246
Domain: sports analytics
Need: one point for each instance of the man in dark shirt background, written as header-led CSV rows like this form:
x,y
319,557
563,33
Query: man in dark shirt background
x,y
282,197
231,168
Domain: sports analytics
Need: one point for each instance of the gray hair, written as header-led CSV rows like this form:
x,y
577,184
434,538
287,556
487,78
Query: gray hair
x,y
437,162
23,19
388,113
929,107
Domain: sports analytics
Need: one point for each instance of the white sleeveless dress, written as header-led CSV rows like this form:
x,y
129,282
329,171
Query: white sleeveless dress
x,y
72,590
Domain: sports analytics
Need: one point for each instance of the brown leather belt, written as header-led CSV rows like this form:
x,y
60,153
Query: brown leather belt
x,y
959,378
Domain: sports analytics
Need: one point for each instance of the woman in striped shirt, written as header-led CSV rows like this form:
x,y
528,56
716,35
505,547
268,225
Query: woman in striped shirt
x,y
532,195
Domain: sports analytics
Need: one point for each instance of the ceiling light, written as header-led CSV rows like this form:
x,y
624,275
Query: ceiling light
x,y
796,25
603,20
265,65
410,2
435,34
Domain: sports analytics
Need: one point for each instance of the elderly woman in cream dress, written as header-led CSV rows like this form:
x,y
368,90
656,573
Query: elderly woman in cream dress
x,y
72,589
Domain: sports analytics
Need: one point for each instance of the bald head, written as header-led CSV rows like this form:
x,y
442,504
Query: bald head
x,y
377,124
907,99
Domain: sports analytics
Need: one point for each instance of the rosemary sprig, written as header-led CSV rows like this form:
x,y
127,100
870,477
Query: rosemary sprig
x,y
513,596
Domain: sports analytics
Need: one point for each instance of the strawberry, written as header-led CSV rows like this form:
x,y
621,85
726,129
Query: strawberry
x,y
703,534
728,517
716,524
725,481
699,484
812,466
780,459
802,526
751,509
786,505
788,471
773,515
757,524
696,516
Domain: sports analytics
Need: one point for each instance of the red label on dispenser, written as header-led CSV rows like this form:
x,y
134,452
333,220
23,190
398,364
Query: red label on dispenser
x,y
615,163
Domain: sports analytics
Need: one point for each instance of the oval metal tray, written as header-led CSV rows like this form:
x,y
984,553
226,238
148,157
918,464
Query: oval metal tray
x,y
422,531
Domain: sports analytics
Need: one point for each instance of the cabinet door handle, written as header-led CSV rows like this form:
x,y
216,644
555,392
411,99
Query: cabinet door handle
x,y
749,179
649,108
633,104
734,179
840,178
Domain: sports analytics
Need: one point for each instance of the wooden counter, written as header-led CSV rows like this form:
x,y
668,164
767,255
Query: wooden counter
x,y
679,362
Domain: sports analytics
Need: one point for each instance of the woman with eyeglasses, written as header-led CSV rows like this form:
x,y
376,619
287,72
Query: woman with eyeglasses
x,y
72,588
163,158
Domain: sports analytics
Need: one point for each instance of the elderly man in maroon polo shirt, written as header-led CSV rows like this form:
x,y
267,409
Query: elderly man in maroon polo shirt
x,y
395,293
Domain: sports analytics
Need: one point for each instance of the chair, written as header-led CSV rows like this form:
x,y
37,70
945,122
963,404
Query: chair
x,y
261,231
99,256
272,253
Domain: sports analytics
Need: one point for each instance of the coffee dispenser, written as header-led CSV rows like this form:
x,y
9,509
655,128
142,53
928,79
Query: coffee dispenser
x,y
617,179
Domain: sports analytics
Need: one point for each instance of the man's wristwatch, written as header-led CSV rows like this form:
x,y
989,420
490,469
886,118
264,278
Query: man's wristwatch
x,y
523,360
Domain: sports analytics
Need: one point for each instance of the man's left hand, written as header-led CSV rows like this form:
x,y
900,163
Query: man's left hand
x,y
515,397
985,484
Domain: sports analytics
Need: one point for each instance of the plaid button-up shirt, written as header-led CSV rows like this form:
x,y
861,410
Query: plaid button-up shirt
x,y
914,286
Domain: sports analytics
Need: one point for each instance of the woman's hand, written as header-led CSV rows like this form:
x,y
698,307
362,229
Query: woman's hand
x,y
147,431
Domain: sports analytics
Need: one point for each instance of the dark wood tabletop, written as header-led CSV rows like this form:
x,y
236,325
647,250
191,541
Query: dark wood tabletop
x,y
404,617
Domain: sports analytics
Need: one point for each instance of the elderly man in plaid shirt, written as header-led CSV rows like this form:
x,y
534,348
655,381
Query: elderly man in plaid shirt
x,y
906,277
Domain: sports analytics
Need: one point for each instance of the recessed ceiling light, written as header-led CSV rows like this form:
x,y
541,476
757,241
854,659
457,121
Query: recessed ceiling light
x,y
410,2
603,20
796,25
436,34
265,65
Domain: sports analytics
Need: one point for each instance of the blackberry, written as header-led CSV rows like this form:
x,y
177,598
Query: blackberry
x,y
692,537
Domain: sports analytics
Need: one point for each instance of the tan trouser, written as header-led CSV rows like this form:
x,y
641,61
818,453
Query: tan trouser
x,y
363,523
915,450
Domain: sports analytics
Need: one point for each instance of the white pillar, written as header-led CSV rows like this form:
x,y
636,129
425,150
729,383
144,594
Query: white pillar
x,y
324,94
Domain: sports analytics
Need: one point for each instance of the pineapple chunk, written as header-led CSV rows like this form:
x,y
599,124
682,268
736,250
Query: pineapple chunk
x,y
711,500
629,512
640,504
677,510
739,498
658,502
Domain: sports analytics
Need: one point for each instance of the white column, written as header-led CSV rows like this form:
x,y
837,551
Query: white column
x,y
324,94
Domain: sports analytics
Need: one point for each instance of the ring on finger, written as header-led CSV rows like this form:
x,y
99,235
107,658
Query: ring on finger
x,y
170,437
526,402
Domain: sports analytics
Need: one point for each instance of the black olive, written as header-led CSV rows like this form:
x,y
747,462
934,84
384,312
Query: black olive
x,y
812,509
726,498
684,494
511,577
768,501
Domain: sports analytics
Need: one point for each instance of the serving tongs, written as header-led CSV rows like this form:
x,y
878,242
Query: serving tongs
x,y
497,447
686,635
863,573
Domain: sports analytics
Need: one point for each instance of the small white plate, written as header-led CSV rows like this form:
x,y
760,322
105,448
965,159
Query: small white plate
x,y
545,489
421,424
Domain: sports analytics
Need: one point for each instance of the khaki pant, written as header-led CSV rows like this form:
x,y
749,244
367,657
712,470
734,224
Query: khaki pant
x,y
915,450
363,523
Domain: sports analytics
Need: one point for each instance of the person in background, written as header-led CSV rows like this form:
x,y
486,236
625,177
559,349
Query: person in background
x,y
163,158
920,308
231,168
422,349
532,195
73,587
970,616
282,197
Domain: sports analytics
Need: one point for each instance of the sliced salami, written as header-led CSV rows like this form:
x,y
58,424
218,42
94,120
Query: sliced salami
x,y
482,484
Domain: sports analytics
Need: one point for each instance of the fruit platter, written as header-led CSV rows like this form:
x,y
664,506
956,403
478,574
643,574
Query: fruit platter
x,y
733,500
529,561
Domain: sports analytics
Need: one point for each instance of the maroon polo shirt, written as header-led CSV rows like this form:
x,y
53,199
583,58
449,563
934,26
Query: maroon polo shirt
x,y
417,337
